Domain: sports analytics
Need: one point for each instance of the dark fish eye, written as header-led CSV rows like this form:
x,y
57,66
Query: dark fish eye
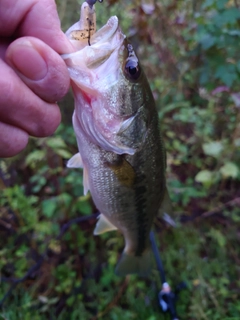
x,y
132,70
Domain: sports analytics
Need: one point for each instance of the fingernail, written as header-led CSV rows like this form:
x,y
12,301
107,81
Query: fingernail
x,y
28,61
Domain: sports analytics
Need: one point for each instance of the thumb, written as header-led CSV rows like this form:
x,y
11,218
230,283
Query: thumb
x,y
39,67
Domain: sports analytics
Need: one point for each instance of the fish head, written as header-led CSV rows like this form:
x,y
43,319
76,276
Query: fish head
x,y
111,90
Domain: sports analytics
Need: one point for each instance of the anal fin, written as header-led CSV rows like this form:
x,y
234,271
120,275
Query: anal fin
x,y
103,225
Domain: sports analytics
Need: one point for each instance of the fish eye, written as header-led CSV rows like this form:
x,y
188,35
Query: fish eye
x,y
132,69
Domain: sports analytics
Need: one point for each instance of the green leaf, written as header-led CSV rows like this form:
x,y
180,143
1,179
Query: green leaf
x,y
221,4
233,33
208,3
63,153
83,205
43,228
59,146
64,199
55,143
213,148
35,156
152,318
229,16
208,41
229,170
227,74
218,236
205,177
48,207
173,106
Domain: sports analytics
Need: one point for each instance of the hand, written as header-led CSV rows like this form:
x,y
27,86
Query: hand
x,y
33,76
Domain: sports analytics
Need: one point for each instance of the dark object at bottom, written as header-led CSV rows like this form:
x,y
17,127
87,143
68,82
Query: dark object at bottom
x,y
166,297
92,2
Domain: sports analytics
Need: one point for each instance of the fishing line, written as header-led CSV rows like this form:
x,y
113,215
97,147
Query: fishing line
x,y
166,297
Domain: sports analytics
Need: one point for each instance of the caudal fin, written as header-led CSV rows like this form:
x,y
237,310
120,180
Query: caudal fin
x,y
129,264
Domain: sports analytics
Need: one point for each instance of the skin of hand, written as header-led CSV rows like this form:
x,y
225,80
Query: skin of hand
x,y
33,76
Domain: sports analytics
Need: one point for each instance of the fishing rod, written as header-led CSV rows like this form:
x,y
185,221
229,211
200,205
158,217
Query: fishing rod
x,y
166,297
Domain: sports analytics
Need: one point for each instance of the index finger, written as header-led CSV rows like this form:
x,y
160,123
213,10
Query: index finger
x,y
36,18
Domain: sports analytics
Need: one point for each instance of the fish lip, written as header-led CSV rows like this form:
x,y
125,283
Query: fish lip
x,y
103,43
106,32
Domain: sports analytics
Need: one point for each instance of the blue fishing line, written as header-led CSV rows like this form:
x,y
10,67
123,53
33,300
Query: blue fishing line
x,y
157,257
166,296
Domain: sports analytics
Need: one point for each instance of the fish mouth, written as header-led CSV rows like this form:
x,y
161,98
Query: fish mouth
x,y
102,44
89,63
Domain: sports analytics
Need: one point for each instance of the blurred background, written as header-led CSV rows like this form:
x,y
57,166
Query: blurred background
x,y
52,267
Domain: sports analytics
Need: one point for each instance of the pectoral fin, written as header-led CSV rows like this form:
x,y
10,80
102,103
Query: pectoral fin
x,y
103,225
126,124
132,132
75,161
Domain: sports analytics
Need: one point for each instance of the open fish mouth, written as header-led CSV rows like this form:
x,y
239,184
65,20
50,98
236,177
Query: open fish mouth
x,y
93,47
96,52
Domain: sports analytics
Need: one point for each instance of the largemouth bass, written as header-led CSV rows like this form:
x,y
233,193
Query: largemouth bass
x,y
119,141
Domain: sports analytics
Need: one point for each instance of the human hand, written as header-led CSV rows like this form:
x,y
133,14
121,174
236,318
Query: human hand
x,y
33,76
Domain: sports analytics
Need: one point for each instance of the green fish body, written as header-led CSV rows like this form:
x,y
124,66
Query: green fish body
x,y
119,141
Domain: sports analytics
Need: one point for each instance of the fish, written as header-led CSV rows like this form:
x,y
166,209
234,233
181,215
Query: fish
x,y
117,129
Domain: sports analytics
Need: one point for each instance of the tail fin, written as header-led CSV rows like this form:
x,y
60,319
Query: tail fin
x,y
129,264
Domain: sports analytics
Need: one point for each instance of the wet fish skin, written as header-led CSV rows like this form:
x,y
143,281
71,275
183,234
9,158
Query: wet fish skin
x,y
119,141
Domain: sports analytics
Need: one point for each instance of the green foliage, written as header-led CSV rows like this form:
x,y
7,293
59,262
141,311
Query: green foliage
x,y
189,51
217,34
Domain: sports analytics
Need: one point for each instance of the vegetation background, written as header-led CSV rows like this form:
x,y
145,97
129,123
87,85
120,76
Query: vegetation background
x,y
52,267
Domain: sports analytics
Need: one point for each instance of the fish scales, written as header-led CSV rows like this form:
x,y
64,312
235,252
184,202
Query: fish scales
x,y
119,141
